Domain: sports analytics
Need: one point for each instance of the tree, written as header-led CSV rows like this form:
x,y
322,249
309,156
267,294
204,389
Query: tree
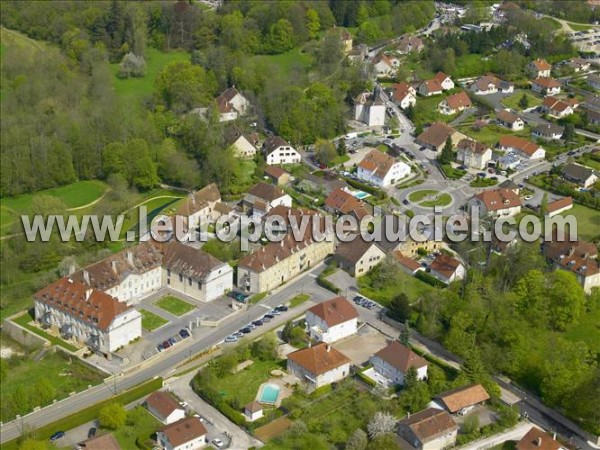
x,y
325,151
381,423
524,102
183,86
265,348
473,366
544,204
132,66
313,24
410,112
400,308
112,416
384,442
357,441
404,337
447,155
341,147
569,133
566,299
281,37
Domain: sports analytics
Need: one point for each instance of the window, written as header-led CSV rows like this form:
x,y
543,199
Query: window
x,y
199,284
190,281
180,278
168,272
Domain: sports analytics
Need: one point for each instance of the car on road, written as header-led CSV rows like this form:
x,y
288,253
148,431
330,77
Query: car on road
x,y
258,323
238,334
231,338
57,435
406,201
462,167
268,316
160,347
184,333
357,299
251,326
494,178
246,330
218,443
92,432
571,153
275,312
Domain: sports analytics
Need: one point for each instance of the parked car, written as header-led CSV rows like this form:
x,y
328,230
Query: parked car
x,y
218,443
357,299
258,323
92,432
172,341
231,338
246,330
184,333
160,347
251,326
57,435
281,308
481,174
166,344
268,317
571,153
275,312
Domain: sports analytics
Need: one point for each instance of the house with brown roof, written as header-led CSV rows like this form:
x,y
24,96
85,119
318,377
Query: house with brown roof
x,y
539,68
244,145
385,66
408,44
430,87
581,175
369,108
557,107
86,315
559,206
455,103
394,360
509,120
231,104
278,151
253,411
277,175
444,80
358,256
430,429
164,407
496,203
332,320
436,135
199,207
579,64
342,202
404,95
545,86
579,257
536,439
522,147
473,154
277,262
101,442
463,399
447,269
491,84
185,434
381,169
408,265
262,197
548,131
318,365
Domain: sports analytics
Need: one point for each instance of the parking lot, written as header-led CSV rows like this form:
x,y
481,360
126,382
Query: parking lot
x,y
587,40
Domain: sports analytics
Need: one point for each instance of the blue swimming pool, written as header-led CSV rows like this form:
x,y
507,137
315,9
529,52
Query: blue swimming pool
x,y
269,393
361,195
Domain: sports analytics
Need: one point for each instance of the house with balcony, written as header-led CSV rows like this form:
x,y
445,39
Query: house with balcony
x,y
332,320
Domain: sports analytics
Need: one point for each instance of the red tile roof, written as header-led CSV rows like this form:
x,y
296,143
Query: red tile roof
x,y
407,262
199,200
556,104
401,90
579,257
335,311
520,144
429,424
536,439
506,117
497,199
275,172
459,100
378,162
444,264
86,304
472,146
559,204
163,403
463,397
436,135
547,83
343,201
432,85
266,191
400,357
319,359
440,77
541,64
184,430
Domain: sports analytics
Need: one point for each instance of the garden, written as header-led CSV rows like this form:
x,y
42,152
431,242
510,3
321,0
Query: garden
x,y
151,321
174,305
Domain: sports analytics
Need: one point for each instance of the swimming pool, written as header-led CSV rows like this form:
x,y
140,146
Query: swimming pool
x,y
361,195
269,393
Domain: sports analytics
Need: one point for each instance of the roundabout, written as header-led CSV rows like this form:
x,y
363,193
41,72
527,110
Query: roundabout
x,y
429,198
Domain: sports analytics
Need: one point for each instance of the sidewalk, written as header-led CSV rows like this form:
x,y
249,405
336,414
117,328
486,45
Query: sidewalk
x,y
514,434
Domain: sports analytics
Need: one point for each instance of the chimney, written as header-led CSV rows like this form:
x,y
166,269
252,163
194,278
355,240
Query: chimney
x,y
130,257
72,269
554,436
538,442
113,264
88,292
328,348
86,276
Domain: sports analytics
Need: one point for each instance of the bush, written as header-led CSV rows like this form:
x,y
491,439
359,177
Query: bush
x,y
365,379
429,279
324,283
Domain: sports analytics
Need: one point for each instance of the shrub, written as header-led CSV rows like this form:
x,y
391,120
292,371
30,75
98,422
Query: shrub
x,y
429,279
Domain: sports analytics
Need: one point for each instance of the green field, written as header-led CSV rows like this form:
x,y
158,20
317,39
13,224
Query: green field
x,y
140,426
587,330
512,101
588,221
471,65
174,305
151,321
30,382
417,196
163,202
288,63
490,134
579,26
426,110
298,300
134,90
442,200
400,282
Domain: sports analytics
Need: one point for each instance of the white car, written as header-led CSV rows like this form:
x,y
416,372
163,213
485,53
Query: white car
x,y
218,443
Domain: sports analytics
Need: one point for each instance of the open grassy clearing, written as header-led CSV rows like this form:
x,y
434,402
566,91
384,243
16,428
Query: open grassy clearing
x,y
426,110
287,63
588,221
174,305
512,101
490,134
151,321
402,282
586,330
417,196
140,427
441,200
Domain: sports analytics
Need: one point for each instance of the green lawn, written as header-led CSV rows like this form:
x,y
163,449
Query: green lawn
x,y
442,200
426,110
512,101
134,90
151,321
298,300
287,63
166,204
244,384
490,134
483,182
383,292
471,65
586,330
452,173
28,382
588,221
72,195
417,196
25,321
590,160
579,26
174,305
141,426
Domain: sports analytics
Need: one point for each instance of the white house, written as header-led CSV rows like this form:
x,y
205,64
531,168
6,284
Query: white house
x,y
548,131
87,315
243,144
384,66
233,99
473,154
199,207
509,120
557,107
185,434
490,84
369,108
278,151
496,202
430,87
404,95
444,80
524,148
582,175
447,269
430,429
539,68
318,365
579,257
332,320
164,407
262,197
559,206
381,169
545,86
463,399
253,411
394,360
455,103
358,256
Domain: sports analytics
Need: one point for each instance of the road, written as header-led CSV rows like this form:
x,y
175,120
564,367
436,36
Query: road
x,y
165,365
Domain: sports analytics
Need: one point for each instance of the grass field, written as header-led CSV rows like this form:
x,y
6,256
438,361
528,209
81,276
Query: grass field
x,y
288,62
588,221
401,282
151,321
442,200
174,305
298,300
426,110
417,196
490,134
26,378
163,202
579,26
471,65
140,426
587,330
25,321
512,101
134,90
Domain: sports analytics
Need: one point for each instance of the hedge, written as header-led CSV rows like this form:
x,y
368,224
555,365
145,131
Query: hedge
x,y
366,188
366,379
324,283
429,279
